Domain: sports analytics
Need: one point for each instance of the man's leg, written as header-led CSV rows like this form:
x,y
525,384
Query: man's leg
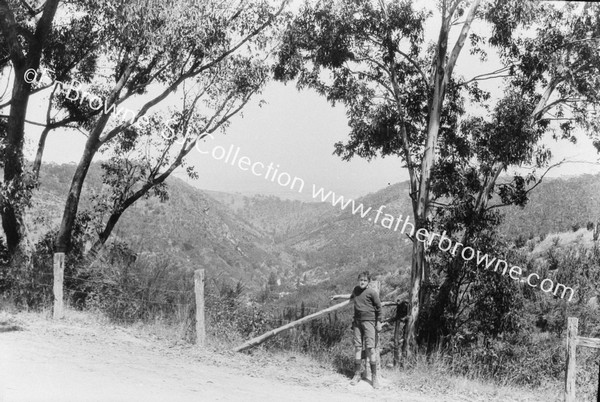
x,y
358,352
370,336
373,357
357,337
365,361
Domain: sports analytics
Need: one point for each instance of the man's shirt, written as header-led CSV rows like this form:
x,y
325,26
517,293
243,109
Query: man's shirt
x,y
367,306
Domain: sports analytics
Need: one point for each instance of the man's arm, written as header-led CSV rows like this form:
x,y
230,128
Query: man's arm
x,y
377,306
343,297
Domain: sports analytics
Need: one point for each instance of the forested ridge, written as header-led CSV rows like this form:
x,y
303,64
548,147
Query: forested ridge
x,y
249,237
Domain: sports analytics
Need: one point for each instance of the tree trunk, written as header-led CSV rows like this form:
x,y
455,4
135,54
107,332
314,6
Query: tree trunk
x,y
37,163
416,280
441,76
13,163
63,238
22,59
418,255
103,237
116,215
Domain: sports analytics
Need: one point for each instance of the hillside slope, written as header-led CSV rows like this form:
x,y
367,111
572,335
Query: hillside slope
x,y
556,206
251,238
190,227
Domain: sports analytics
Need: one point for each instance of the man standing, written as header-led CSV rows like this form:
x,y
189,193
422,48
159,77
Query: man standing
x,y
366,324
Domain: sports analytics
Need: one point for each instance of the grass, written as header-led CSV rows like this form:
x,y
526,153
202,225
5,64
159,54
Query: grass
x,y
433,376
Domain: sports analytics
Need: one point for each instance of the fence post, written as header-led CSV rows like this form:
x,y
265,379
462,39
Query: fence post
x,y
397,335
199,292
570,379
57,289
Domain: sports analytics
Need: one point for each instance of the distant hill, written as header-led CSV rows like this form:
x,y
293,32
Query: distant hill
x,y
191,226
251,238
556,205
280,218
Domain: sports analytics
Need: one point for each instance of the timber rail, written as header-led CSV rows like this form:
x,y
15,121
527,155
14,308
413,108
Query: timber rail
x,y
260,339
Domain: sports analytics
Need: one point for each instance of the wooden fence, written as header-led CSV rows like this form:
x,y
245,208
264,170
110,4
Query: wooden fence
x,y
573,340
399,319
199,281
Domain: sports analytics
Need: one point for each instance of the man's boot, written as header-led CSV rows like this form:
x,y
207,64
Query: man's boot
x,y
357,367
375,378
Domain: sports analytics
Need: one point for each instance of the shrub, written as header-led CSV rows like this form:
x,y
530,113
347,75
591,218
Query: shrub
x,y
520,241
139,289
27,280
26,284
230,315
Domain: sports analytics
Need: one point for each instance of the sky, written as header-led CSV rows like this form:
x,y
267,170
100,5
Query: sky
x,y
296,131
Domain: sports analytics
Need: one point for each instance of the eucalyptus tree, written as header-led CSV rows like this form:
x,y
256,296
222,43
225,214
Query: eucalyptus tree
x,y
25,39
148,51
154,43
554,86
141,161
404,98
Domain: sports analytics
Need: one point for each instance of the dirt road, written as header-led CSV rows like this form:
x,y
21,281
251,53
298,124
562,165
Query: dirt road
x,y
79,361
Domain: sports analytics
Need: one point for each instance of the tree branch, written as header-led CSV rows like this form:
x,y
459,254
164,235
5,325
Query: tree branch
x,y
33,12
416,66
252,34
460,42
486,76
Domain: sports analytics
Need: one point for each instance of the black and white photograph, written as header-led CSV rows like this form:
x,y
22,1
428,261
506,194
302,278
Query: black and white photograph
x,y
299,200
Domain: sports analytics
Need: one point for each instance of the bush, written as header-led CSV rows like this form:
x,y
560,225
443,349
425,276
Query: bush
x,y
25,284
316,337
27,280
520,241
231,317
143,288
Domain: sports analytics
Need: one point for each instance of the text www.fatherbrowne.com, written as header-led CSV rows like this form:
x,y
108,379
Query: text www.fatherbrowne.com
x,y
446,244
272,173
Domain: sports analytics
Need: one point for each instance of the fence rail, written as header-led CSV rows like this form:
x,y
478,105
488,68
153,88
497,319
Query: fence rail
x,y
260,339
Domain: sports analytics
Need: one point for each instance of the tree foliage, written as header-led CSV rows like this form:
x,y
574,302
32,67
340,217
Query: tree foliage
x,y
104,55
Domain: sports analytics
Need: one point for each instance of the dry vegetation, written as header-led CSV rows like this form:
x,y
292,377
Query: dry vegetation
x,y
428,381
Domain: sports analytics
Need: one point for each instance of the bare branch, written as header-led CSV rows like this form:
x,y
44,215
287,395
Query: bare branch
x,y
461,38
485,76
35,123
